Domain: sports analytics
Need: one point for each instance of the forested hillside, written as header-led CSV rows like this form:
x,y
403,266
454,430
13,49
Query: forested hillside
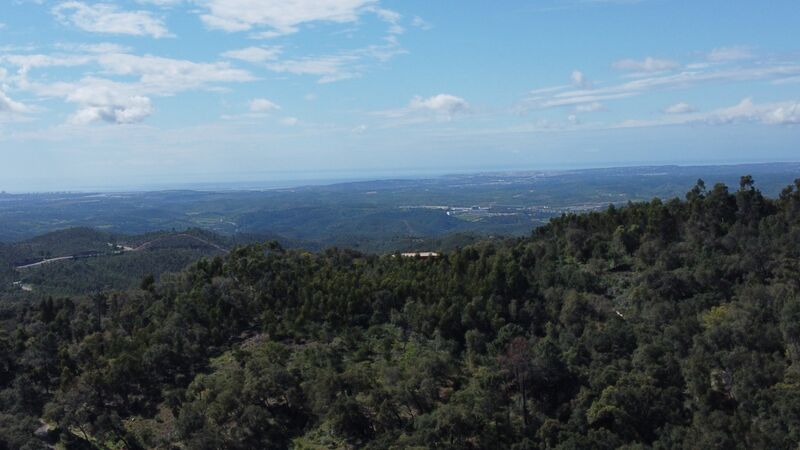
x,y
374,216
656,325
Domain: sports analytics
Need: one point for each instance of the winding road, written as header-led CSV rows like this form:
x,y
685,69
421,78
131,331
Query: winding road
x,y
43,262
124,249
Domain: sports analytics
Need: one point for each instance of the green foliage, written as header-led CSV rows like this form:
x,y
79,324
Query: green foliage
x,y
667,324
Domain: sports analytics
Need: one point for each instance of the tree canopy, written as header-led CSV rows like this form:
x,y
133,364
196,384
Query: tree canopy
x,y
667,324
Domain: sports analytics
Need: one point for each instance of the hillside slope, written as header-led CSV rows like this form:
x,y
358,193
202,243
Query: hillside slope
x,y
658,325
103,261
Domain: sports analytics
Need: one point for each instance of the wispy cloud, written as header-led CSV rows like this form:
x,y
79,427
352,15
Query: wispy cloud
x,y
580,80
788,80
261,105
441,107
335,66
167,75
108,18
339,66
162,3
775,113
559,5
8,105
646,65
679,108
278,18
104,99
726,54
254,54
421,23
558,97
156,74
392,18
328,68
103,47
590,107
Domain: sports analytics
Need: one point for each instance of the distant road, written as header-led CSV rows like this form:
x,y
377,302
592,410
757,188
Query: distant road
x,y
150,243
45,261
124,249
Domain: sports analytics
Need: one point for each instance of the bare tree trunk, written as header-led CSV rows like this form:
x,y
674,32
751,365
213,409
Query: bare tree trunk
x,y
524,404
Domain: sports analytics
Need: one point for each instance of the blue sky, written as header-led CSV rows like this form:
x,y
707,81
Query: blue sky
x,y
152,92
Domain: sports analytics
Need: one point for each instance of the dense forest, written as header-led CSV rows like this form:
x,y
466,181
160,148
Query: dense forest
x,y
101,264
665,324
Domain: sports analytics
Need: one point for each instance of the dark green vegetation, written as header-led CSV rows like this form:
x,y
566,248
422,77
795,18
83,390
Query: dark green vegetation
x,y
373,216
58,243
669,324
102,261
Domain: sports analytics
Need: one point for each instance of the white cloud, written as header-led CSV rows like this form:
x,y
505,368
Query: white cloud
x,y
579,80
103,100
744,111
392,18
261,105
446,104
162,3
103,47
648,64
34,61
290,121
108,18
128,111
421,23
268,19
441,107
725,54
549,90
679,108
329,68
340,66
785,114
279,17
590,107
574,98
8,105
166,76
129,101
559,97
778,113
254,54
788,80
157,75
560,5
